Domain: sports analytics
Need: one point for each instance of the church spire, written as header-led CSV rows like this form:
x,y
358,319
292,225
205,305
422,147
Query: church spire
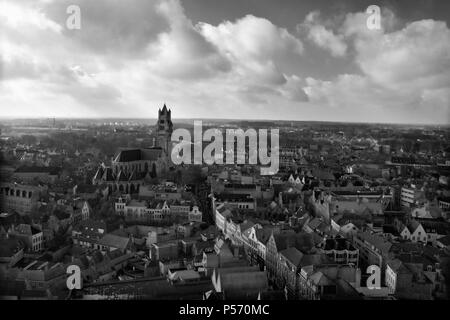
x,y
164,128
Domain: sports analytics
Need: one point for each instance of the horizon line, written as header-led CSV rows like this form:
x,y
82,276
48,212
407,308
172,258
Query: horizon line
x,y
10,118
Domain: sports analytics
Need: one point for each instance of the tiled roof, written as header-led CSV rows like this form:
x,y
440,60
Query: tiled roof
x,y
413,225
445,240
312,260
35,169
130,155
108,175
293,255
263,235
377,241
315,223
302,241
320,279
111,240
9,247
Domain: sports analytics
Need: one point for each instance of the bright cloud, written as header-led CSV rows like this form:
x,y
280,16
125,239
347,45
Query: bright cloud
x,y
323,37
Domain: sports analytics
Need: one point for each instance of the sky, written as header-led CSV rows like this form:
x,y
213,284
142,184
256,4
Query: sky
x,y
246,59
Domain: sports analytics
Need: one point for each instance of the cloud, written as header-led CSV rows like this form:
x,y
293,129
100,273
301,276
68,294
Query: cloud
x,y
293,89
414,58
405,73
323,37
112,27
255,46
183,52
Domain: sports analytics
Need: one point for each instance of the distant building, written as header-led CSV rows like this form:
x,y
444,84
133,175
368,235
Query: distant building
x,y
34,173
237,201
111,242
413,232
195,215
130,167
322,282
165,251
341,251
32,237
373,249
444,203
408,281
239,282
88,233
86,211
410,196
150,211
20,198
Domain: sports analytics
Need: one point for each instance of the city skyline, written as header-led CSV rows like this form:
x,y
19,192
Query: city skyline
x,y
219,120
257,60
224,158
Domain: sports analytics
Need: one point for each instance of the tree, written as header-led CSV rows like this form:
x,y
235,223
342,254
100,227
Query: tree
x,y
106,210
28,139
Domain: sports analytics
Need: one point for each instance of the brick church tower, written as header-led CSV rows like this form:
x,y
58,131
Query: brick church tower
x,y
164,129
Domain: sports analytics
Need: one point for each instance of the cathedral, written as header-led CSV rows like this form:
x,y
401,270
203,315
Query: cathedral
x,y
130,167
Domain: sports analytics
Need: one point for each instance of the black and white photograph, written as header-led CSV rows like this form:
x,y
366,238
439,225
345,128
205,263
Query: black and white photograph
x,y
232,157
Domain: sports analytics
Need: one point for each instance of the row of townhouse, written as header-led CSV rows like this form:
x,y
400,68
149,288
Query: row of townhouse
x,y
287,252
253,237
415,277
142,211
422,230
283,252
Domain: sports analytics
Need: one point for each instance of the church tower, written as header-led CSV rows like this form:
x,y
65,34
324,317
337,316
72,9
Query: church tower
x,y
164,129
